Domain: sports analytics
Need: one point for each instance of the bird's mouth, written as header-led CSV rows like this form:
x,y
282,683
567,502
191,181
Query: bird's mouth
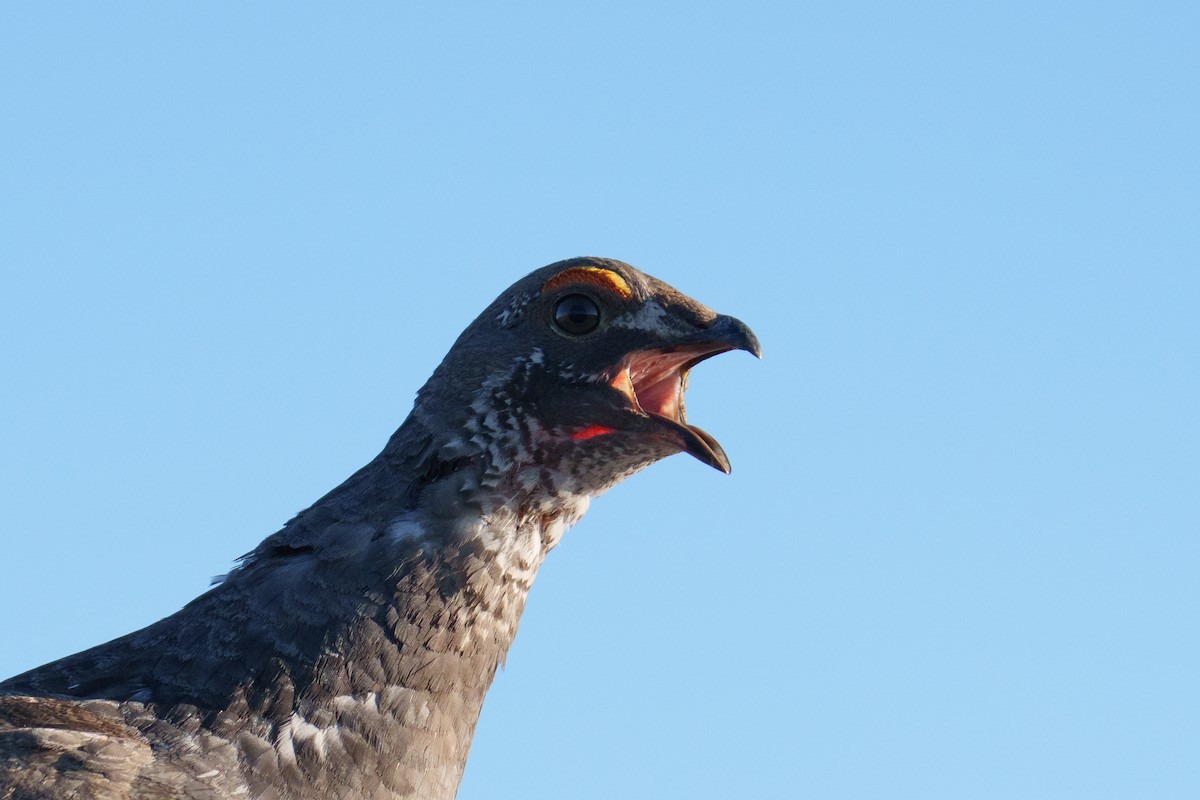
x,y
654,382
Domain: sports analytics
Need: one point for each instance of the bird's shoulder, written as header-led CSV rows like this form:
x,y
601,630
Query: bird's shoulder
x,y
51,748
56,747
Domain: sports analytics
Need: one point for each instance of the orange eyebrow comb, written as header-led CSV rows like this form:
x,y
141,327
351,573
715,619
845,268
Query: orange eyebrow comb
x,y
604,279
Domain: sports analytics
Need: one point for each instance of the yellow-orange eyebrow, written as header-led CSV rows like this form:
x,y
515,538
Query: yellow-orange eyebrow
x,y
595,276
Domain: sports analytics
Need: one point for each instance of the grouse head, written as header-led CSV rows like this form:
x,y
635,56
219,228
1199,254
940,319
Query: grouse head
x,y
574,377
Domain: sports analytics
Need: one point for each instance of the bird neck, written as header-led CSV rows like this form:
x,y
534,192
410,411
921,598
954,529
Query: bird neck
x,y
383,611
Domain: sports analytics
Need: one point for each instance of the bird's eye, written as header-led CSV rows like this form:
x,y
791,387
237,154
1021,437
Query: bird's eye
x,y
577,314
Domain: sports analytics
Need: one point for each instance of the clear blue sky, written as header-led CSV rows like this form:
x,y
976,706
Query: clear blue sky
x,y
958,555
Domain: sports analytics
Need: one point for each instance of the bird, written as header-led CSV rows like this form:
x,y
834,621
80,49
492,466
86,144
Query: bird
x,y
348,654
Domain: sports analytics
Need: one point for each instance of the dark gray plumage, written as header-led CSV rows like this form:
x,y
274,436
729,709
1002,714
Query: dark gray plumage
x,y
348,655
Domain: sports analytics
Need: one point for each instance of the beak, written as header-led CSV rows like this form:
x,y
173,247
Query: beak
x,y
655,381
733,333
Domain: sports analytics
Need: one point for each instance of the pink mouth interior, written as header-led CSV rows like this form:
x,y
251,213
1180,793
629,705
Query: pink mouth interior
x,y
655,380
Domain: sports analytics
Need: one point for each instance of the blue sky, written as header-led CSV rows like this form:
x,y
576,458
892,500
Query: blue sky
x,y
957,556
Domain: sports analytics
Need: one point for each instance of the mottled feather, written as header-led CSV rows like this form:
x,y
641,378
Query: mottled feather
x,y
347,656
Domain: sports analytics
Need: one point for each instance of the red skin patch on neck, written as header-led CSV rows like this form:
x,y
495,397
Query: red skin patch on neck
x,y
591,431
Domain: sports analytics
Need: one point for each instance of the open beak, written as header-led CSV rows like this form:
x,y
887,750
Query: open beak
x,y
654,380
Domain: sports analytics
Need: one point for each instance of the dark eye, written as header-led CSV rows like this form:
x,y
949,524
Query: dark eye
x,y
577,314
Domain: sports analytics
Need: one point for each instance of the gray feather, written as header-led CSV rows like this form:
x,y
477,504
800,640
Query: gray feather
x,y
348,655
